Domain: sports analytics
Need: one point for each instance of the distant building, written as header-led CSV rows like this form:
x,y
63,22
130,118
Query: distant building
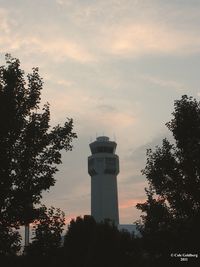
x,y
131,228
103,167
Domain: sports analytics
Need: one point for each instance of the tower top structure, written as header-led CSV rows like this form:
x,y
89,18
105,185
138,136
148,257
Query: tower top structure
x,y
102,138
102,144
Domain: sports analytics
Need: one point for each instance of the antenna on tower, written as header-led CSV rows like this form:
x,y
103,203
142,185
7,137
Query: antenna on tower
x,y
90,139
115,139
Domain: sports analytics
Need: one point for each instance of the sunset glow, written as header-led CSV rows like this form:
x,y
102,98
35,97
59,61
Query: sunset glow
x,y
115,67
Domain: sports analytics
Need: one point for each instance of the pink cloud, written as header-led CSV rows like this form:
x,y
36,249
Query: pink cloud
x,y
130,203
143,38
69,218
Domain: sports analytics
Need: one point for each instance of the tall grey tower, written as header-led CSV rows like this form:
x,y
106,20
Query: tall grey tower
x,y
103,167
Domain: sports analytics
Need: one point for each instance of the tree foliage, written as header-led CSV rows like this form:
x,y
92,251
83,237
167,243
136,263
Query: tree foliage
x,y
47,232
88,243
172,209
30,149
9,240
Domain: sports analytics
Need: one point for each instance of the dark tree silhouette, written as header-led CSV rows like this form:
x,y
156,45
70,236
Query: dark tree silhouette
x,y
30,149
47,232
9,240
172,210
78,240
92,244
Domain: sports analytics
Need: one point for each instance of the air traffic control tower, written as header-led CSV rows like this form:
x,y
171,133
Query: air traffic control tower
x,y
103,167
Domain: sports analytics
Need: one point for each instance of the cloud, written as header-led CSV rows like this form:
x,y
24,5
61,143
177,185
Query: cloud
x,y
5,21
121,32
131,203
124,119
101,30
106,108
67,97
7,39
113,115
65,83
128,211
137,39
163,82
62,49
80,47
60,2
58,49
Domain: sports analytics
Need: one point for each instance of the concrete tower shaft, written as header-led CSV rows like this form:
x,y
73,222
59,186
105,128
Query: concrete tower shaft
x,y
103,167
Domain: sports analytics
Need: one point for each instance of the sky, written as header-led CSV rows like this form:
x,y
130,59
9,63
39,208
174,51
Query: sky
x,y
115,67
